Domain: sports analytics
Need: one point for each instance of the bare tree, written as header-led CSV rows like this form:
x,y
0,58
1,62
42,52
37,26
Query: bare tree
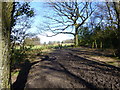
x,y
20,31
69,17
117,10
21,22
114,19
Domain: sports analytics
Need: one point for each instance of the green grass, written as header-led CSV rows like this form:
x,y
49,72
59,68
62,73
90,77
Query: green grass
x,y
42,47
15,73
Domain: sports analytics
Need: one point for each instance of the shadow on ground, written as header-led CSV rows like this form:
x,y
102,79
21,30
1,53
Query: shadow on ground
x,y
23,74
95,52
63,66
68,73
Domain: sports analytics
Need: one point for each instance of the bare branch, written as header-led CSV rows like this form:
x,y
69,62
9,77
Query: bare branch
x,y
61,33
70,14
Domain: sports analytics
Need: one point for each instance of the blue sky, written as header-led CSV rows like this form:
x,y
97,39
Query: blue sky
x,y
41,9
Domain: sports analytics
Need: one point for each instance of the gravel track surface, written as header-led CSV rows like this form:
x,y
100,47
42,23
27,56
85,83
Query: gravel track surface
x,y
67,69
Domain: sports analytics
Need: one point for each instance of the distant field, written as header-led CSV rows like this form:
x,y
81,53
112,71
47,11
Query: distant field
x,y
46,46
50,46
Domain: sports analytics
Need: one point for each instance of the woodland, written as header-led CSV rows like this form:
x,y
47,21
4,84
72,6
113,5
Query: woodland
x,y
91,60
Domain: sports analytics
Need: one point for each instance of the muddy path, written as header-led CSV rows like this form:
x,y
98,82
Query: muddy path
x,y
69,68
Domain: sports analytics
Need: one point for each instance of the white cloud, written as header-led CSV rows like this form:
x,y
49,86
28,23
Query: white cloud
x,y
59,37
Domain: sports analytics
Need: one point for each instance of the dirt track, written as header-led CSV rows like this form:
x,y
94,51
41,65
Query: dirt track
x,y
67,68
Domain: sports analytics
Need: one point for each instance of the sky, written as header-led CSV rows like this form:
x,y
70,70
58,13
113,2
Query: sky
x,y
41,9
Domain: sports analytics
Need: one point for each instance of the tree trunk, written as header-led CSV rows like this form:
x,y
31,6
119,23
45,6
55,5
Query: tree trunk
x,y
76,37
5,25
101,45
93,45
76,40
96,46
117,10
